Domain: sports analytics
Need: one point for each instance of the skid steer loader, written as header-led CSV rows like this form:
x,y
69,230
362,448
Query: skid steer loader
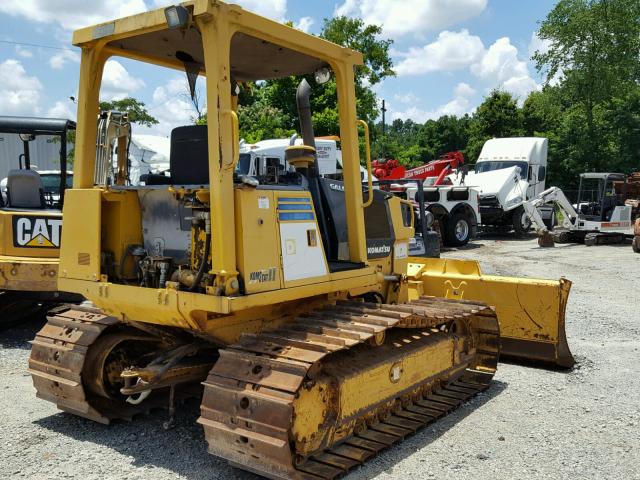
x,y
313,353
31,222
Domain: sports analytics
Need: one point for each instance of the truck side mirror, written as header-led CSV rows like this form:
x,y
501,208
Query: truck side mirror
x,y
542,172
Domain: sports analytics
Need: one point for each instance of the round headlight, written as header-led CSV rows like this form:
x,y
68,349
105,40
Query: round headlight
x,y
429,218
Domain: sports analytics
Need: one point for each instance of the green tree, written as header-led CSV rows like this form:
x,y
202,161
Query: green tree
x,y
135,108
497,116
280,93
592,57
137,114
446,134
259,120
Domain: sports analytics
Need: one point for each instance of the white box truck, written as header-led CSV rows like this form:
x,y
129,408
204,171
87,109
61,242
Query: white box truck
x,y
508,172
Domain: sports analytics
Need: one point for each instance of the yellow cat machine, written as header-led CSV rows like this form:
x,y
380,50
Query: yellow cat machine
x,y
314,352
31,218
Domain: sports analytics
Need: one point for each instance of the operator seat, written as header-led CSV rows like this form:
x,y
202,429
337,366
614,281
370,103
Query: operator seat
x,y
25,189
188,159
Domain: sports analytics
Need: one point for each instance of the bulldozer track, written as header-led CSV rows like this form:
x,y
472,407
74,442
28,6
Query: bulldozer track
x,y
247,409
59,356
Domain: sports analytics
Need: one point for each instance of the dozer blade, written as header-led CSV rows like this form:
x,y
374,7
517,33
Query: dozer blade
x,y
531,312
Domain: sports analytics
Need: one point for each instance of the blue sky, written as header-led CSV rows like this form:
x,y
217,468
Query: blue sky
x,y
448,53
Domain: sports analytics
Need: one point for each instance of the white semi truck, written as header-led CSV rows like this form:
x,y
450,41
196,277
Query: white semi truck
x,y
510,171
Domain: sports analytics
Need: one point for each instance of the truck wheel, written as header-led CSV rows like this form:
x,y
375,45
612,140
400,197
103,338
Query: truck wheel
x,y
520,221
457,230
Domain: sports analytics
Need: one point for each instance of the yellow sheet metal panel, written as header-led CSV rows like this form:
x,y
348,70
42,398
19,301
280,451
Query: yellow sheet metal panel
x,y
142,304
301,249
18,275
257,240
30,234
121,224
81,242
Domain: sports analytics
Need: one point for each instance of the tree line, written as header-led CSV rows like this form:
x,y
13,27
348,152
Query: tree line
x,y
588,107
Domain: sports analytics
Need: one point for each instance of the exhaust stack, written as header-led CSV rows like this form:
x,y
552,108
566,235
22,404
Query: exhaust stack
x,y
303,94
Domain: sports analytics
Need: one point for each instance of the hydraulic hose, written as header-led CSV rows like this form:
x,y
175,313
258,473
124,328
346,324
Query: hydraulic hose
x,y
203,263
205,255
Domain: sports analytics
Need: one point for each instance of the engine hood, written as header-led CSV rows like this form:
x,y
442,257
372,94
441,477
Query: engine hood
x,y
505,184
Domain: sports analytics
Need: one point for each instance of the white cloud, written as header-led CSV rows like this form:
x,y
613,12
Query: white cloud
x,y
412,113
520,87
459,106
406,98
171,106
500,62
24,52
451,51
464,90
304,24
63,109
19,92
412,16
537,44
275,9
497,66
117,82
501,67
72,14
58,60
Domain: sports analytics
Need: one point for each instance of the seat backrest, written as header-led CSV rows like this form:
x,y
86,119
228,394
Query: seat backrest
x,y
25,189
189,157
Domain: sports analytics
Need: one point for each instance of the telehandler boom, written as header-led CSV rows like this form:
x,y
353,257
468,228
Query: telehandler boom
x,y
314,353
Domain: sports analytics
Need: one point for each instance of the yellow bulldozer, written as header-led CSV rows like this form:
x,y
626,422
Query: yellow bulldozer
x,y
310,354
31,219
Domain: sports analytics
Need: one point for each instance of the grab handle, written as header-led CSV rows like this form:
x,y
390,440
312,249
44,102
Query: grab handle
x,y
367,150
235,140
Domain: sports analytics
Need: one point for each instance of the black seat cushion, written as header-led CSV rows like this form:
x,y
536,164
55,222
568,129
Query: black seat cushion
x,y
189,157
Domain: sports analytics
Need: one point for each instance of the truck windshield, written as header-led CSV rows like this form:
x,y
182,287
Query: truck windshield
x,y
244,163
492,165
51,182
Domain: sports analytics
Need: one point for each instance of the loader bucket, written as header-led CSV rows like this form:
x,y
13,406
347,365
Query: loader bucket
x,y
531,312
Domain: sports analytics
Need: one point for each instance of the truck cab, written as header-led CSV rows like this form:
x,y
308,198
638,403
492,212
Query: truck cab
x,y
508,172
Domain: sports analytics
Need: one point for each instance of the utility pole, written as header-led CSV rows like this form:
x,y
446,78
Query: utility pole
x,y
384,110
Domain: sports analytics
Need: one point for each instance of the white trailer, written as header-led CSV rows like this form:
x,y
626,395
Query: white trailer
x,y
267,159
509,171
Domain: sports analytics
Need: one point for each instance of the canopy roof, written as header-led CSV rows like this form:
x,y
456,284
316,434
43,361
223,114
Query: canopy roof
x,y
36,126
262,49
612,176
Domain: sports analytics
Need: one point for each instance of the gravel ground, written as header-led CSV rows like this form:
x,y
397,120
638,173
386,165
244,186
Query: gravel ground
x,y
530,424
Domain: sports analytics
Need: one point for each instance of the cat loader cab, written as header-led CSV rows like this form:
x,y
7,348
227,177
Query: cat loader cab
x,y
315,349
31,218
